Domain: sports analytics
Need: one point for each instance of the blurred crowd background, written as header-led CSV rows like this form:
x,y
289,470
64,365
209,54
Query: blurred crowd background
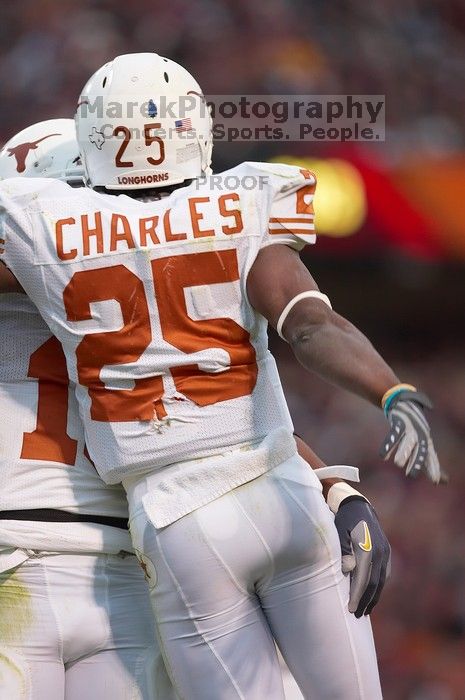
x,y
411,50
391,254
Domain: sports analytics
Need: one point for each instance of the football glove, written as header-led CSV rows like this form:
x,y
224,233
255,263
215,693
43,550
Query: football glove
x,y
409,437
366,554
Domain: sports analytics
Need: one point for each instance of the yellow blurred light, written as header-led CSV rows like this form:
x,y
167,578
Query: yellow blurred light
x,y
340,198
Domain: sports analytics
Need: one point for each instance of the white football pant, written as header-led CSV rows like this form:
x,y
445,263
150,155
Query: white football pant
x,y
78,627
261,562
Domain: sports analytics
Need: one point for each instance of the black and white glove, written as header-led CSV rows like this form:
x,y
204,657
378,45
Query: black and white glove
x,y
409,437
366,553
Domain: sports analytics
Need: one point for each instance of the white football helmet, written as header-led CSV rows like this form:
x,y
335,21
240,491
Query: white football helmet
x,y
45,149
142,122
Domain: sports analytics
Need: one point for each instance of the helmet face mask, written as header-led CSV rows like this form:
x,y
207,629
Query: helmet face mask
x,y
46,149
142,122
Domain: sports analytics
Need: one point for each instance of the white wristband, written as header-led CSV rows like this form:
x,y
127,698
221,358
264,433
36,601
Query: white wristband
x,y
338,492
303,295
338,471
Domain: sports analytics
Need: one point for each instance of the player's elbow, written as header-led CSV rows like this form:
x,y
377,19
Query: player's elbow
x,y
322,322
302,328
305,334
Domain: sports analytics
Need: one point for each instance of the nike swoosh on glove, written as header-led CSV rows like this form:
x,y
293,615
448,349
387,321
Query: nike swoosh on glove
x,y
366,553
409,438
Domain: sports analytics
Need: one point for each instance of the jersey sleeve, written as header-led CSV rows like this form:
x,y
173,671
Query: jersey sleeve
x,y
286,195
291,213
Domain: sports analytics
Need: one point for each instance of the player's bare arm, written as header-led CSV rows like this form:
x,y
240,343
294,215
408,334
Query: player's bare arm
x,y
322,341
8,282
326,343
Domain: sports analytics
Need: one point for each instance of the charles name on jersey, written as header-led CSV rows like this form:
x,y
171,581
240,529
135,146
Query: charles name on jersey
x,y
100,232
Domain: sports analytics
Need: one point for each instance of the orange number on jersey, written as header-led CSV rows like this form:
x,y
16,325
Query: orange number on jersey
x,y
309,190
304,210
50,441
190,336
126,345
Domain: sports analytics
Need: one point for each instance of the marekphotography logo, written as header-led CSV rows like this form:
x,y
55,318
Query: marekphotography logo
x,y
281,118
298,117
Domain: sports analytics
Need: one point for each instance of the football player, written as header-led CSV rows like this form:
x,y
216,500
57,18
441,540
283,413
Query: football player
x,y
74,606
161,307
65,507
36,393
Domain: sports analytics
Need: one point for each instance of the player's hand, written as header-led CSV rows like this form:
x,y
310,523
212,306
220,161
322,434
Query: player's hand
x,y
409,438
366,553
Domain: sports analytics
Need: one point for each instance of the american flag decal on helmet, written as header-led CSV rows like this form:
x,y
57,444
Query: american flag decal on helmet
x,y
183,125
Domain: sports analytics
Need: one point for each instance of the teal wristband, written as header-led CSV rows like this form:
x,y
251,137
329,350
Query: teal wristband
x,y
390,399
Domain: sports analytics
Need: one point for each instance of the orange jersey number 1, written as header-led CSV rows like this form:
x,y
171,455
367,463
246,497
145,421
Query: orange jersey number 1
x,y
49,441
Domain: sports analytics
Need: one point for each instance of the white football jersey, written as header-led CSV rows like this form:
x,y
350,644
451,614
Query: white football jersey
x,y
149,301
42,450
